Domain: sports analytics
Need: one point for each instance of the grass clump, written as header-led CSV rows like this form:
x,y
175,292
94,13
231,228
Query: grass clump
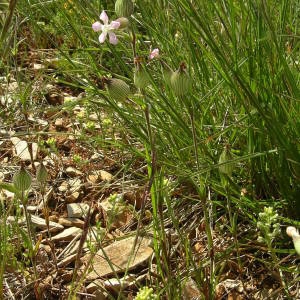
x,y
206,94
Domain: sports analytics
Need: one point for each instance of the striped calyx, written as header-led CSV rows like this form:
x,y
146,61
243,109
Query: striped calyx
x,y
180,81
124,8
22,180
226,156
117,88
167,73
41,174
141,77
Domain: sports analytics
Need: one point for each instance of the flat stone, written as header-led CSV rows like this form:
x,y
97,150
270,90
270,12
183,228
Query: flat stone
x,y
97,288
59,123
22,151
117,284
63,187
190,290
41,223
67,235
73,172
93,117
105,176
71,185
67,260
71,222
121,257
77,210
73,197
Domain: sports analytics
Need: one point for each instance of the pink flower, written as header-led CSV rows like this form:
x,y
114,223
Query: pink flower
x,y
106,29
154,53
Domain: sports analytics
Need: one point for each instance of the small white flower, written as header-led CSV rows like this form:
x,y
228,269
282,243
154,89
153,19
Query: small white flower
x,y
106,29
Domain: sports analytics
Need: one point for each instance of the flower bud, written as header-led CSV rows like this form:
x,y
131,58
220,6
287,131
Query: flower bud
x,y
225,157
123,22
291,231
180,81
22,180
124,8
117,88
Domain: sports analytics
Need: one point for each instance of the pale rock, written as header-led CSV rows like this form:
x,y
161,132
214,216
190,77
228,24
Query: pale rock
x,y
22,151
105,176
100,175
73,197
67,260
97,289
93,178
59,123
38,66
73,172
32,208
190,290
117,284
121,256
75,185
67,235
77,210
12,219
7,195
51,159
63,187
96,156
71,185
93,117
41,223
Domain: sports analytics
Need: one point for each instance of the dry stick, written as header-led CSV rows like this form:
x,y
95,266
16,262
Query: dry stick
x,y
79,251
46,214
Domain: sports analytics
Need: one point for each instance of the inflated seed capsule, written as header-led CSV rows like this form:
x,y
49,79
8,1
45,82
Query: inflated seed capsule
x,y
226,156
41,174
117,88
22,180
141,77
180,81
124,8
167,73
124,22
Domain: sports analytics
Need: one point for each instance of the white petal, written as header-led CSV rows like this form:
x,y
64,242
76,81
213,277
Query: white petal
x,y
102,37
115,24
113,38
97,26
104,17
